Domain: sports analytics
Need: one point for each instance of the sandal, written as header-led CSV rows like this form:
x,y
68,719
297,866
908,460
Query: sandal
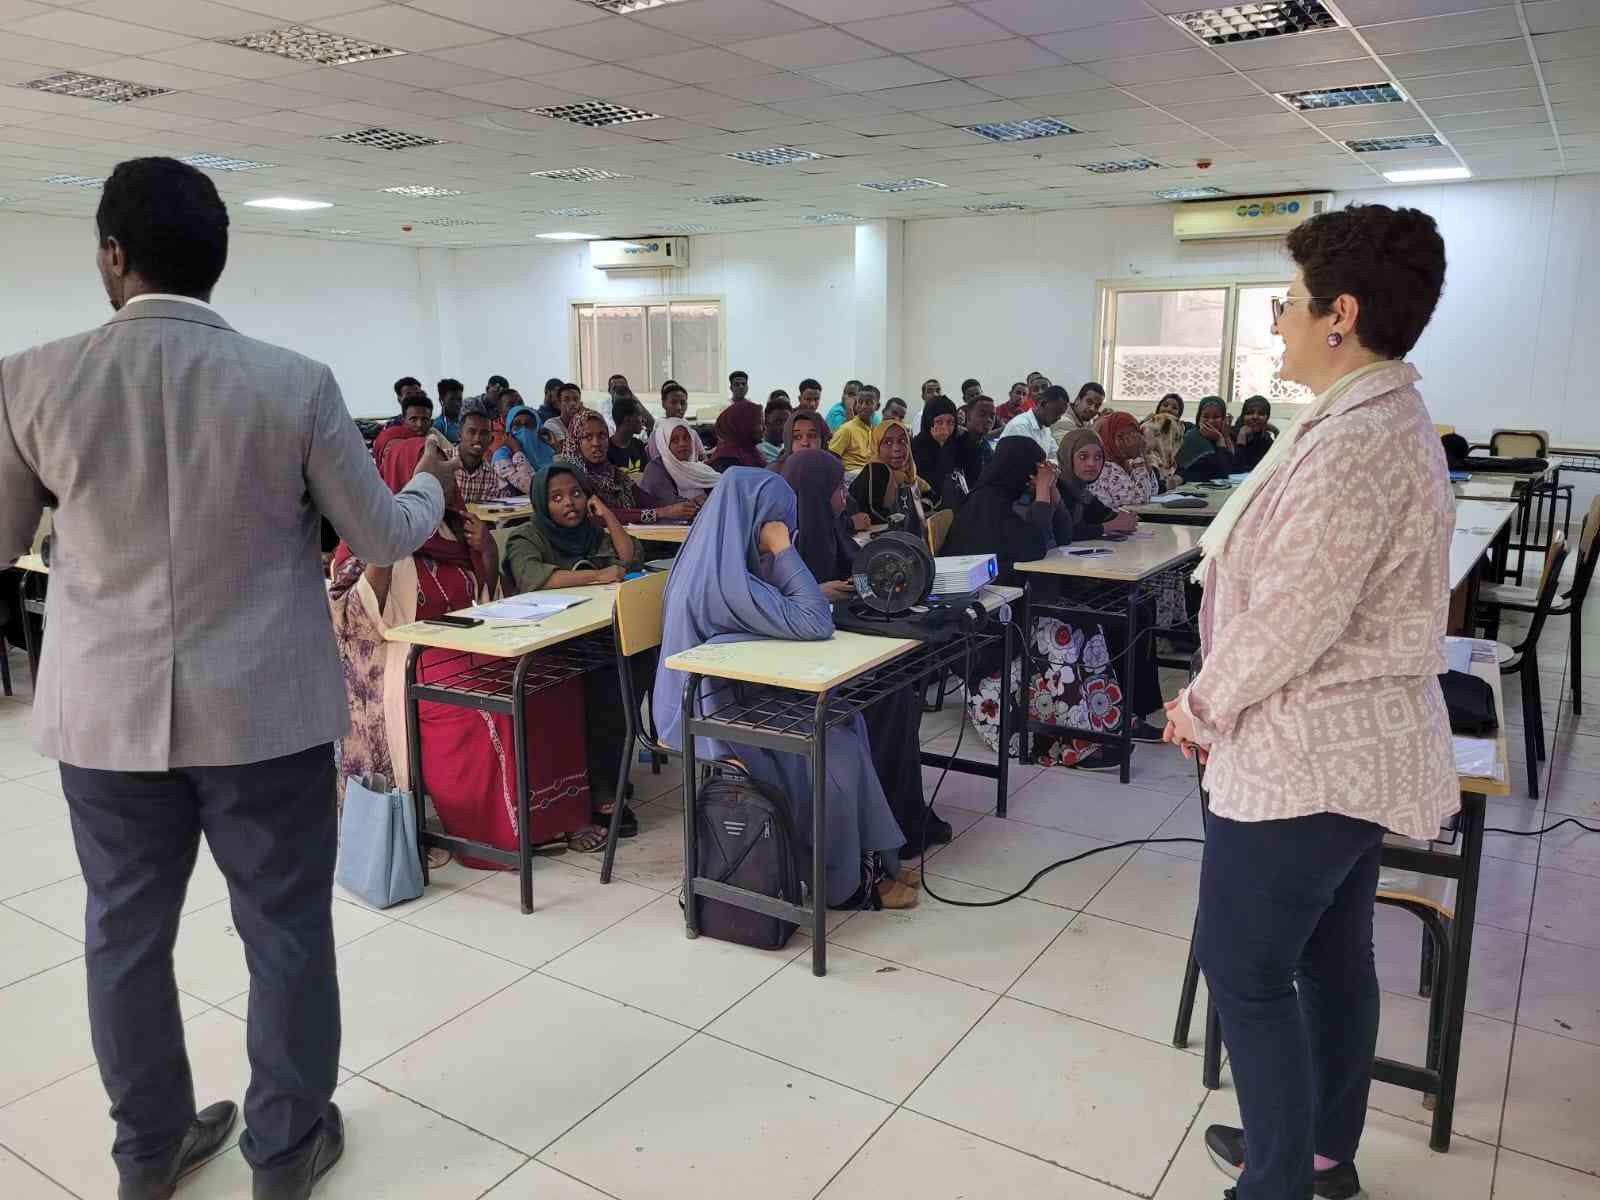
x,y
911,877
630,821
894,894
588,839
438,858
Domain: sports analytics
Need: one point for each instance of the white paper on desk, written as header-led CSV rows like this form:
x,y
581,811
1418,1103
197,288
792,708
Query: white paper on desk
x,y
1170,497
1478,757
529,606
1458,654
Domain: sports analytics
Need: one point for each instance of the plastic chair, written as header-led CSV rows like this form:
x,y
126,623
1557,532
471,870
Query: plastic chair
x,y
1504,597
1523,659
1519,443
938,528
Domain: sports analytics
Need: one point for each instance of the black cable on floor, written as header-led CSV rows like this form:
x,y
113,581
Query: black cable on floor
x,y
1538,832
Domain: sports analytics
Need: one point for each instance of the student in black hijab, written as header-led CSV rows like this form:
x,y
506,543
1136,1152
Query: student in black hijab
x,y
988,523
937,451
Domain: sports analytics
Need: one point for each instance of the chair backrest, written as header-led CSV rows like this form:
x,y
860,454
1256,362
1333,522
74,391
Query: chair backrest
x,y
1549,579
638,613
1519,443
939,529
1588,553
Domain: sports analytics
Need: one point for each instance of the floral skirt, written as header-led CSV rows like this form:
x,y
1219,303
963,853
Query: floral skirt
x,y
1073,685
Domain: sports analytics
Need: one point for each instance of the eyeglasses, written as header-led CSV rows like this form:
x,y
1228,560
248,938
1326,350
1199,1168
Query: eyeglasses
x,y
1280,304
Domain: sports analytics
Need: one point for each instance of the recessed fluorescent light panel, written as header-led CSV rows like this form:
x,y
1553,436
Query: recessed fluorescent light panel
x,y
727,198
1428,175
421,191
596,114
383,139
579,175
686,227
334,232
572,212
568,237
1344,97
448,222
313,45
626,6
1189,193
1247,22
94,87
287,204
1004,206
1115,166
211,162
902,185
1419,141
1021,131
73,180
830,218
775,156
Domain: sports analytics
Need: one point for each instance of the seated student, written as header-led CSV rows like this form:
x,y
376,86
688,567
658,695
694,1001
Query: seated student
x,y
1082,459
574,540
1163,438
549,407
852,441
937,452
889,486
569,402
467,756
1207,450
1037,422
893,723
625,451
674,399
1252,436
740,577
501,406
416,420
1456,451
976,441
476,479
774,419
1127,477
738,432
524,452
448,422
894,409
811,397
1172,405
804,430
1013,406
405,388
678,469
988,522
586,444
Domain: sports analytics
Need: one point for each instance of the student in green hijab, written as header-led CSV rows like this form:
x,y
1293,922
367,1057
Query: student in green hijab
x,y
563,547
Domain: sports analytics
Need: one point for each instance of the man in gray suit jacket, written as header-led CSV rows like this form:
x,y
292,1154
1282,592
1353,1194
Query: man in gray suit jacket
x,y
190,681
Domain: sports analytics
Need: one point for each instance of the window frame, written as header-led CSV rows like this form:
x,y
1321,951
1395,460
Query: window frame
x,y
1103,348
652,400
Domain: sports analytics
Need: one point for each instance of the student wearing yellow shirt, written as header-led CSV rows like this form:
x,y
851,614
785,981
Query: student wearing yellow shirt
x,y
853,441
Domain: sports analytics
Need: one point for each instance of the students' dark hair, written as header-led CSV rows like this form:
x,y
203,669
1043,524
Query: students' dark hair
x,y
1390,259
867,387
777,404
813,384
449,385
901,400
1171,396
500,379
744,375
672,385
624,407
404,382
777,394
569,386
552,384
614,376
1257,401
847,383
1456,447
1091,386
966,383
1054,394
170,222
980,398
477,406
1210,402
419,401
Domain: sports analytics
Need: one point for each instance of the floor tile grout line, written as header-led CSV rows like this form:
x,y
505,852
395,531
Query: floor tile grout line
x,y
27,1162
362,1071
689,1036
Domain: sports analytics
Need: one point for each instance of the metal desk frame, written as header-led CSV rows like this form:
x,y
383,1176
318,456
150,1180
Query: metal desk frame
x,y
794,722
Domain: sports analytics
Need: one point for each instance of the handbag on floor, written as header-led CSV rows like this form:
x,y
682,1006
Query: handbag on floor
x,y
378,858
745,838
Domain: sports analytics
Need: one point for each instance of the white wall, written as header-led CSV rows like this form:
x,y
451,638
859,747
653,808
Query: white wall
x,y
363,310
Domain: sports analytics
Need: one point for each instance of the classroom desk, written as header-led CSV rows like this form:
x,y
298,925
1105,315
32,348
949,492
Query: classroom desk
x,y
1110,588
1483,529
673,534
794,693
1417,876
503,513
1484,487
1488,485
1160,514
497,666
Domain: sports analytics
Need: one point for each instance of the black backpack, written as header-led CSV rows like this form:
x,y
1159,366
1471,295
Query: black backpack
x,y
744,837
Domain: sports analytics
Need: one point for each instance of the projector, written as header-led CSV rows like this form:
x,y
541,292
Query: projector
x,y
962,574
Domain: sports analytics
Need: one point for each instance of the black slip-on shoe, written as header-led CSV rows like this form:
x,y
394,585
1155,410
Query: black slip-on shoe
x,y
1225,1144
296,1184
205,1137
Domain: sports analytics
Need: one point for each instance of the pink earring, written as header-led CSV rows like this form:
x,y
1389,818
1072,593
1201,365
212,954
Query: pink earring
x,y
1335,339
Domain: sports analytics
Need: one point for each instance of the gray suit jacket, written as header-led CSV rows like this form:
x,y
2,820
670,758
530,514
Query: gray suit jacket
x,y
188,467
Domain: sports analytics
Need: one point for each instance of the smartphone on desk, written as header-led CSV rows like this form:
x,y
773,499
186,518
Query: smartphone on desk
x,y
454,622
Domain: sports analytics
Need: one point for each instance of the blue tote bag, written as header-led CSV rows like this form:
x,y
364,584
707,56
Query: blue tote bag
x,y
378,859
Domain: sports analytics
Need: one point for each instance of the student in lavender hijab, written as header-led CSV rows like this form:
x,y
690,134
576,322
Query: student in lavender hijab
x,y
739,577
894,723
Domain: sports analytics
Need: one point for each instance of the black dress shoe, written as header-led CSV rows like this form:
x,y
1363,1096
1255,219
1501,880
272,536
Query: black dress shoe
x,y
205,1137
1225,1144
297,1182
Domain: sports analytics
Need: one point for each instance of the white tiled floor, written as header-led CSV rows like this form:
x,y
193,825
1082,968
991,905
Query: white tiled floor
x,y
590,1050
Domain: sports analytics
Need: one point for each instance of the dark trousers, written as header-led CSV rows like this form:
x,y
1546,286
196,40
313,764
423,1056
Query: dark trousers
x,y
273,831
1285,940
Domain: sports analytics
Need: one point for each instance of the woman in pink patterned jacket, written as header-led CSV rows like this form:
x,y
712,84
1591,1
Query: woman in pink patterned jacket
x,y
1318,709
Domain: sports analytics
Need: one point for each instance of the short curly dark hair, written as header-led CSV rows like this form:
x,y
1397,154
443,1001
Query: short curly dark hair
x,y
1390,259
170,222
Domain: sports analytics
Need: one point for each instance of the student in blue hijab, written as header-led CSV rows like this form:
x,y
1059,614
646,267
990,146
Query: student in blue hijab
x,y
526,454
739,577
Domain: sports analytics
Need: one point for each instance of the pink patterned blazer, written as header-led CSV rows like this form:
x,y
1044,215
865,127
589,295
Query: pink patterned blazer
x,y
1323,625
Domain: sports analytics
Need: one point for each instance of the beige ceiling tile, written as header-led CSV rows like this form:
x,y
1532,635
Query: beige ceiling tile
x,y
97,33
1045,82
198,105
1485,101
820,47
1575,43
931,29
503,56
439,104
828,108
1211,111
1125,39
699,66
273,95
876,74
516,93
1158,68
980,114
224,60
1458,58
195,18
1471,82
616,39
39,52
926,96
158,74
1320,75
991,58
1572,71
1303,49
1434,33
1360,114
680,101
720,22
511,16
405,28
1554,16
1192,91
782,85
418,71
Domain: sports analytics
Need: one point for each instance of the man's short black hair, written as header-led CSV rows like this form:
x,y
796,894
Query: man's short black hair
x,y
778,404
810,383
868,387
744,375
569,386
1055,394
170,222
1091,386
449,385
500,379
966,383
553,384
672,385
624,407
420,401
777,394
406,381
475,412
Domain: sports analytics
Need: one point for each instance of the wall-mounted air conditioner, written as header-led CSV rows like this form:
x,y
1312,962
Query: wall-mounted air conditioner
x,y
1246,216
640,254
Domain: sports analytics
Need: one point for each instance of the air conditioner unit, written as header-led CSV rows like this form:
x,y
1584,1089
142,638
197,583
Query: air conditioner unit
x,y
640,254
1246,216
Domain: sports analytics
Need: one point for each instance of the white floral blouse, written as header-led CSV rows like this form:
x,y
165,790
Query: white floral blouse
x,y
1119,487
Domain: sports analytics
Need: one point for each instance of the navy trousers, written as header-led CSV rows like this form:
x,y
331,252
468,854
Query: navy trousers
x,y
273,829
1285,941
